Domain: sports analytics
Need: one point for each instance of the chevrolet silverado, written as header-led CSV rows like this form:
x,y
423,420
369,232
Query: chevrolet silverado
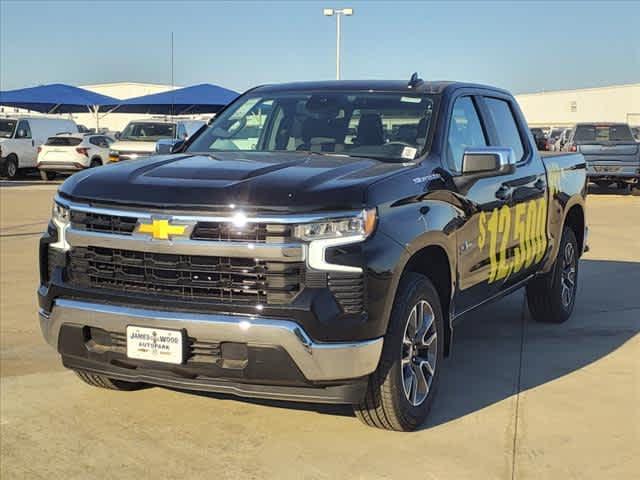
x,y
316,242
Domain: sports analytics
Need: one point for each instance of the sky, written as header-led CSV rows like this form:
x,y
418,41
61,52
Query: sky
x,y
520,46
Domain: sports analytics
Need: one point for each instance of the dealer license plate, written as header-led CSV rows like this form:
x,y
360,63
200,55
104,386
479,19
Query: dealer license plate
x,y
155,344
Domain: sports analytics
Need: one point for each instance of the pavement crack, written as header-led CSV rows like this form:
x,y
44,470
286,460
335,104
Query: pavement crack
x,y
523,320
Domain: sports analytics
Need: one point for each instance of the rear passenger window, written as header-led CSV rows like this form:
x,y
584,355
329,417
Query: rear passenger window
x,y
465,131
95,141
507,129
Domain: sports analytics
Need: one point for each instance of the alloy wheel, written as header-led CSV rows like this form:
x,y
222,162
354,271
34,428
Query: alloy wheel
x,y
419,353
568,275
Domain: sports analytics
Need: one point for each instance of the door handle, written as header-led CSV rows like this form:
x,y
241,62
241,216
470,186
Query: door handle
x,y
540,185
504,192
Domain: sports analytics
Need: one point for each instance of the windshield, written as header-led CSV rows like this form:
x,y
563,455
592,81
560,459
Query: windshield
x,y
603,133
147,131
387,126
6,128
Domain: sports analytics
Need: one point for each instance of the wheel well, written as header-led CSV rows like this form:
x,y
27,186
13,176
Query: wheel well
x,y
575,221
433,263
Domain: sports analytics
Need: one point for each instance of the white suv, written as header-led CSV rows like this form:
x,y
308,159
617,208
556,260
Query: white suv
x,y
72,152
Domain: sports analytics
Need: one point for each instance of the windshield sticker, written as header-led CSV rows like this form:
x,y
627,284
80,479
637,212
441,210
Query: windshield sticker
x,y
411,99
409,153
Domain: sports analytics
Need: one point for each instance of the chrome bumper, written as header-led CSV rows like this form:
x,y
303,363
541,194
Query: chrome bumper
x,y
317,361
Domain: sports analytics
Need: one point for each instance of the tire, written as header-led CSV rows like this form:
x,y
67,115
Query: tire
x,y
101,381
551,297
96,162
44,175
11,170
395,399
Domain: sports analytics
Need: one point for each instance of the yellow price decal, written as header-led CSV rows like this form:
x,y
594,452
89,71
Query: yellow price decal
x,y
523,225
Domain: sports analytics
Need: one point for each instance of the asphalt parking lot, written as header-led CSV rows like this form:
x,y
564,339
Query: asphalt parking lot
x,y
518,399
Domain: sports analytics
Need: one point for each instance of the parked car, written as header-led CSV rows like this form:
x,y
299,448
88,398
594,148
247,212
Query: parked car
x,y
20,138
313,264
611,153
139,138
69,153
539,137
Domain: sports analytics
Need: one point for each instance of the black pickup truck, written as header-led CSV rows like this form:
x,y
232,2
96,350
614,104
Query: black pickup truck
x,y
316,242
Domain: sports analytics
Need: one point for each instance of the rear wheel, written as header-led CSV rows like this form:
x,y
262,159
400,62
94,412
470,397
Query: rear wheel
x,y
551,297
44,175
11,170
104,382
401,390
96,162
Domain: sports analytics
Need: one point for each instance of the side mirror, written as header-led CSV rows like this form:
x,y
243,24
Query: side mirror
x,y
168,145
488,161
21,134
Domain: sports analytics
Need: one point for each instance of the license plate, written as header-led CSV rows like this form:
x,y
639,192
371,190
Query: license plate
x,y
607,169
155,344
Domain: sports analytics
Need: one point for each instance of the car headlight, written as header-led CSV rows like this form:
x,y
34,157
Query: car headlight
x,y
361,225
61,218
334,233
114,155
60,214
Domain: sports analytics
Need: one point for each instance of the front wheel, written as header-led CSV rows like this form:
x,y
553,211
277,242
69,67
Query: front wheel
x,y
11,170
96,162
551,297
401,390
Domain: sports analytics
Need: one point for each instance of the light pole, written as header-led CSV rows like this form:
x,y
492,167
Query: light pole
x,y
338,12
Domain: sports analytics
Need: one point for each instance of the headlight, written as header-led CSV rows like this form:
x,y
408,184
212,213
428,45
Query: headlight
x,y
335,233
114,155
61,218
60,214
361,225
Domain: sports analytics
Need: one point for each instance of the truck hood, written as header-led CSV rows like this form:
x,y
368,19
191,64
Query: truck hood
x,y
124,146
279,181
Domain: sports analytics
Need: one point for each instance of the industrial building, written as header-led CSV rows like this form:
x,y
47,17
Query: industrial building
x,y
616,103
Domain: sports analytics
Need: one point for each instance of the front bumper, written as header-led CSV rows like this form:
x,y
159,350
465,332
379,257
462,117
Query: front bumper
x,y
311,371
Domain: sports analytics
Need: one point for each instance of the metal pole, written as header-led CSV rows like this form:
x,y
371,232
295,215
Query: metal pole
x,y
338,46
172,87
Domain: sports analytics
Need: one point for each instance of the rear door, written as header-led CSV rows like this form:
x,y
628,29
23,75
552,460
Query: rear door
x,y
518,227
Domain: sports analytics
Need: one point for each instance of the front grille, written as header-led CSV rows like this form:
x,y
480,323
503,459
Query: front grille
x,y
188,277
95,222
252,232
207,231
349,290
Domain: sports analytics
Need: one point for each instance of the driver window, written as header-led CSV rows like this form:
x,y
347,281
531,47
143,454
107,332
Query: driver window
x,y
23,130
465,131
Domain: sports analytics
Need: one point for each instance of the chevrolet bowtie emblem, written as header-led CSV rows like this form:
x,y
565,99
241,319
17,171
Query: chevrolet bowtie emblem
x,y
161,229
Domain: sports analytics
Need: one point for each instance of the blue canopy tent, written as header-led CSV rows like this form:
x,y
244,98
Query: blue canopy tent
x,y
203,98
57,98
